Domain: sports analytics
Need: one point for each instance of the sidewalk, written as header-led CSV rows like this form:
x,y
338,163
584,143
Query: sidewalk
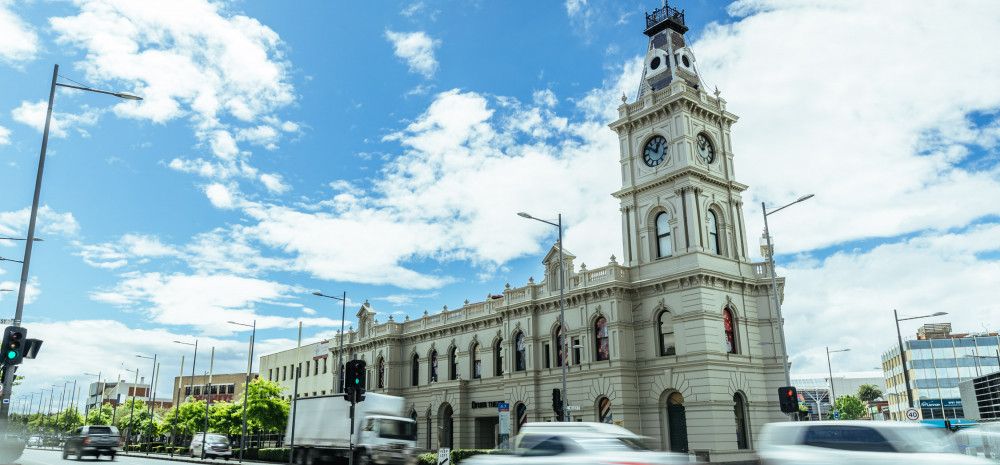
x,y
175,458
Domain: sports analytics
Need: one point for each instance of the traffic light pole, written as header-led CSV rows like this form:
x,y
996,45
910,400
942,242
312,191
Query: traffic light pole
x,y
350,440
295,401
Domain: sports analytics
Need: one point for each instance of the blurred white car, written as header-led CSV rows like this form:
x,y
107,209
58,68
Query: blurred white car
x,y
217,446
858,443
578,443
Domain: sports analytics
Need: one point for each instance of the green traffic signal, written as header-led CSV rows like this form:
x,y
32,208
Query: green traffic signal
x,y
357,381
11,355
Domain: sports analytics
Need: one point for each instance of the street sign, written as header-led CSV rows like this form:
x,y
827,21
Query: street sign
x,y
444,456
503,409
573,408
6,321
912,414
836,414
6,401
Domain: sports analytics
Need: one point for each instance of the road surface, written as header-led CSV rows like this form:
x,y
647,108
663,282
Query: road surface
x,y
54,457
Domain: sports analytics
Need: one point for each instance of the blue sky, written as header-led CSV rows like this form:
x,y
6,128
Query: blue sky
x,y
383,148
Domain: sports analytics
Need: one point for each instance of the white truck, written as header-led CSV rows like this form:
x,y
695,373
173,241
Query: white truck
x,y
381,434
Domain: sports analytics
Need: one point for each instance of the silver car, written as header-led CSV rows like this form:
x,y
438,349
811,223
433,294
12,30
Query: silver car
x,y
578,443
858,443
215,446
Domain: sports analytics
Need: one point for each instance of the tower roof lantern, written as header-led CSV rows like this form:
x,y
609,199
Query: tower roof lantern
x,y
665,17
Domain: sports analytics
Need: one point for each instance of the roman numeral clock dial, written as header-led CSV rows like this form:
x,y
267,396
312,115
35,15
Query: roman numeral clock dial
x,y
655,151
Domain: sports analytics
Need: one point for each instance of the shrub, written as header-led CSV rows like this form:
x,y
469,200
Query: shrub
x,y
429,458
458,455
250,454
276,454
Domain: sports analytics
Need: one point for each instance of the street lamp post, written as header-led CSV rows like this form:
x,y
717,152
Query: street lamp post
x,y
194,361
86,407
152,384
131,410
29,241
774,280
562,311
208,402
340,350
246,383
829,368
902,352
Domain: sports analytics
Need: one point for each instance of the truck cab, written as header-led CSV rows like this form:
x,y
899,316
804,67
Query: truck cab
x,y
387,439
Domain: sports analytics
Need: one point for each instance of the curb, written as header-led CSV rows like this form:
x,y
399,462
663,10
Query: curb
x,y
176,458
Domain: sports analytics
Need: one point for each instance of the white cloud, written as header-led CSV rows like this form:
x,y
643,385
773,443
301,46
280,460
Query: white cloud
x,y
220,196
81,346
851,294
575,7
130,246
842,120
32,114
49,221
205,301
417,49
31,291
4,136
274,183
18,41
188,59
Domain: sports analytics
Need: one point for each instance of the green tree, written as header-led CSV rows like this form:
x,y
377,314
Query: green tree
x,y
99,416
267,411
850,407
68,420
869,393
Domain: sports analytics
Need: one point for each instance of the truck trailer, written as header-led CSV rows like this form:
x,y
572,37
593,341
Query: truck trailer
x,y
323,431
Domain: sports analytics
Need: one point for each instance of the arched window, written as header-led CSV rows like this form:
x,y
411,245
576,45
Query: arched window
x,y
453,363
415,370
416,430
498,358
476,363
713,232
729,325
520,352
604,410
521,415
434,366
676,423
560,347
381,374
665,331
740,412
601,339
664,247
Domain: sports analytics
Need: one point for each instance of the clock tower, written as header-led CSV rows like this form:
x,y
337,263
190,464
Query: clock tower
x,y
714,370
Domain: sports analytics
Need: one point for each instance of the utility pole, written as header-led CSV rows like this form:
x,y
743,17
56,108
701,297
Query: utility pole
x,y
208,402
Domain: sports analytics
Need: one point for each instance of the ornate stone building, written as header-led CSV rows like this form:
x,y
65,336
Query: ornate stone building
x,y
676,340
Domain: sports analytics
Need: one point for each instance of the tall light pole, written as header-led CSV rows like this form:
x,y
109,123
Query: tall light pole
x,y
131,411
86,407
194,361
340,351
829,368
246,384
562,311
149,390
8,376
177,404
902,352
774,279
208,402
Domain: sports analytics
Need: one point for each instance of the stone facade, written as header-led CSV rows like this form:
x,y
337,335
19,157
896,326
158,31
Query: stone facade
x,y
677,342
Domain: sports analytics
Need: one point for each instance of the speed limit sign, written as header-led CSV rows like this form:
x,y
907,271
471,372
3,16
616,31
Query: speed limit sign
x,y
912,414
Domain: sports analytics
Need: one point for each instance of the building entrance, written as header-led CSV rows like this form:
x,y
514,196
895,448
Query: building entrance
x,y
487,432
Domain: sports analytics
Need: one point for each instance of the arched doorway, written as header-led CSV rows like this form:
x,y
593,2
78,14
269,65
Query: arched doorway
x,y
521,415
677,437
604,410
446,426
740,413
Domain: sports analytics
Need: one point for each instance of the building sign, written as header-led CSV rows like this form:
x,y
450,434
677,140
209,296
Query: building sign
x,y
936,403
322,350
489,404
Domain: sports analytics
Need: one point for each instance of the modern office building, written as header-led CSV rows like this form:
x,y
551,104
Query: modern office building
x,y
224,387
937,361
115,392
815,388
981,397
676,340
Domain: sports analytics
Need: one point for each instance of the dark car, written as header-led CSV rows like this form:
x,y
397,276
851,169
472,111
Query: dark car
x,y
92,440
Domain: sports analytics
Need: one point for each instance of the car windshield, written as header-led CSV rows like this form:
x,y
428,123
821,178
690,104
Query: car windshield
x,y
217,439
611,444
397,429
924,440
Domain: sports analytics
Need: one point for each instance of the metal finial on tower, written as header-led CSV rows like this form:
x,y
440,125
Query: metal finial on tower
x,y
624,98
717,92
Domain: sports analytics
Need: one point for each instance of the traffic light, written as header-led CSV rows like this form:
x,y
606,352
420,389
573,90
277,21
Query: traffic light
x,y
557,404
354,381
13,345
788,398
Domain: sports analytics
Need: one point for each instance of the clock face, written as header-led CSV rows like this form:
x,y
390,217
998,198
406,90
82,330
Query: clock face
x,y
705,149
655,151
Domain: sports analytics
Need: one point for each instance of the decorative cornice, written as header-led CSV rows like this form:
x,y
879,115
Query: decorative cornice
x,y
688,171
